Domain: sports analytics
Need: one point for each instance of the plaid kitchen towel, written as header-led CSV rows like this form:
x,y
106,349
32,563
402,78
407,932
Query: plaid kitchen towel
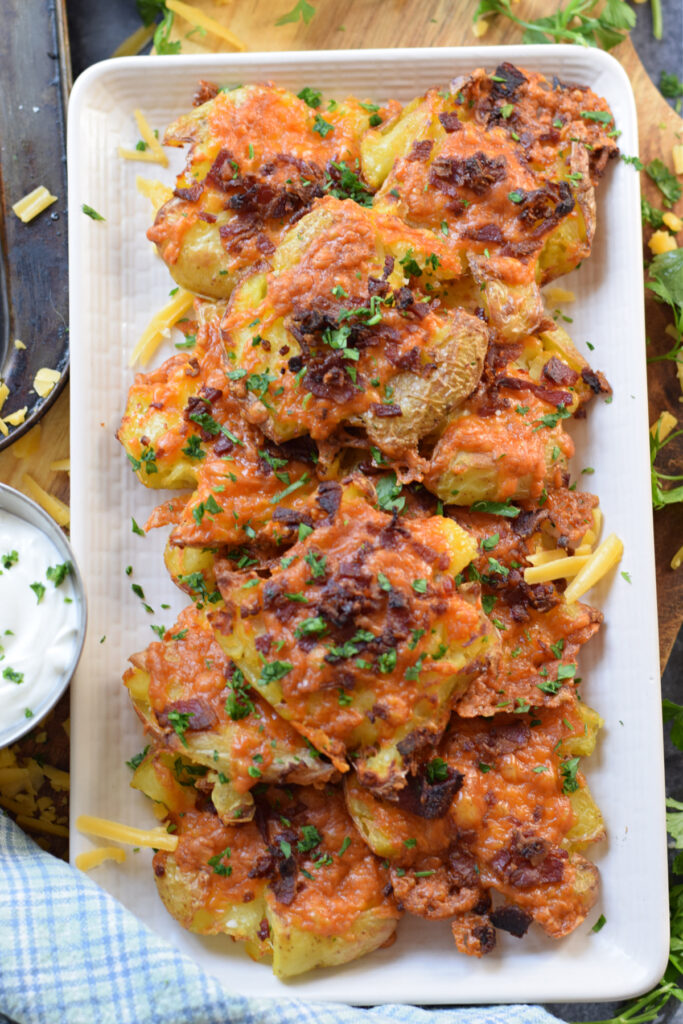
x,y
71,954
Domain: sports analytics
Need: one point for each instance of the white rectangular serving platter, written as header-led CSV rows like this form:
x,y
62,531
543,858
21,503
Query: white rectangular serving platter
x,y
117,283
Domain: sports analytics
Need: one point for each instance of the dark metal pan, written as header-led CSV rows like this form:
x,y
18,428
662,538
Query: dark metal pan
x,y
35,78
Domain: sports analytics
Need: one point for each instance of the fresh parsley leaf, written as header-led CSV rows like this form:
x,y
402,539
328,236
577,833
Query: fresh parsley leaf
x,y
436,770
312,97
389,493
666,182
58,573
302,10
496,508
93,214
39,590
137,759
180,723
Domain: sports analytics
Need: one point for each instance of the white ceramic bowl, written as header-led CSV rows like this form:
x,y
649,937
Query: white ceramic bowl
x,y
17,504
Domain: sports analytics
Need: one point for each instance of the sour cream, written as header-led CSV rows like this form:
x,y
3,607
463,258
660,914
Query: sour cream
x,y
39,620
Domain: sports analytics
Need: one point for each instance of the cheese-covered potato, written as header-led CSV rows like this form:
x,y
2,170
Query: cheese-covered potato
x,y
467,826
198,705
359,636
504,165
342,330
302,887
259,156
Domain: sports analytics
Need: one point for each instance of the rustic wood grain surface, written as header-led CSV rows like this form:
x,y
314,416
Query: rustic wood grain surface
x,y
401,23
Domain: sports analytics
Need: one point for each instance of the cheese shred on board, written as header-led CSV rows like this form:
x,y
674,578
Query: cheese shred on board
x,y
197,17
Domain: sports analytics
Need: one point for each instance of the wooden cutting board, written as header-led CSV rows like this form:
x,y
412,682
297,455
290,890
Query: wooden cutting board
x,y
401,23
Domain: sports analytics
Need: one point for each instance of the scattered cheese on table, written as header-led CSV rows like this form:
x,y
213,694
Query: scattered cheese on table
x,y
677,560
159,838
53,506
480,28
663,426
661,242
604,558
673,222
4,392
197,17
34,203
60,466
677,155
19,344
27,445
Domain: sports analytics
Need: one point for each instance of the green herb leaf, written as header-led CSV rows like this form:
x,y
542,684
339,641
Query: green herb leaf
x,y
302,10
89,212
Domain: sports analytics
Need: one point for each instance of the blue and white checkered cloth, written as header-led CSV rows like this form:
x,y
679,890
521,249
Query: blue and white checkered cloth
x,y
71,954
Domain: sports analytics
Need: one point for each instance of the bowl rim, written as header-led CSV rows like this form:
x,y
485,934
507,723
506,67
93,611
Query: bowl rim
x,y
16,503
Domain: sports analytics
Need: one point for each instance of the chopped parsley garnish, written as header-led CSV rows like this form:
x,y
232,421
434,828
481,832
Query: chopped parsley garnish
x,y
496,508
599,924
137,759
603,116
389,493
212,427
321,126
58,573
180,723
488,543
136,529
90,212
193,449
517,196
568,770
384,582
344,184
409,843
10,559
310,839
487,603
551,419
13,675
302,10
312,97
344,846
39,590
238,704
387,661
665,180
274,670
436,770
420,586
310,627
316,564
218,865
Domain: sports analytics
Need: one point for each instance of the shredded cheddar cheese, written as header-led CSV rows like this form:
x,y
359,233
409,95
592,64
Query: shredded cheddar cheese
x,y
93,858
16,418
27,445
53,506
4,393
560,568
663,426
197,17
605,557
152,336
154,153
40,825
555,294
677,156
133,43
157,838
677,560
34,203
480,28
45,380
18,344
154,190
